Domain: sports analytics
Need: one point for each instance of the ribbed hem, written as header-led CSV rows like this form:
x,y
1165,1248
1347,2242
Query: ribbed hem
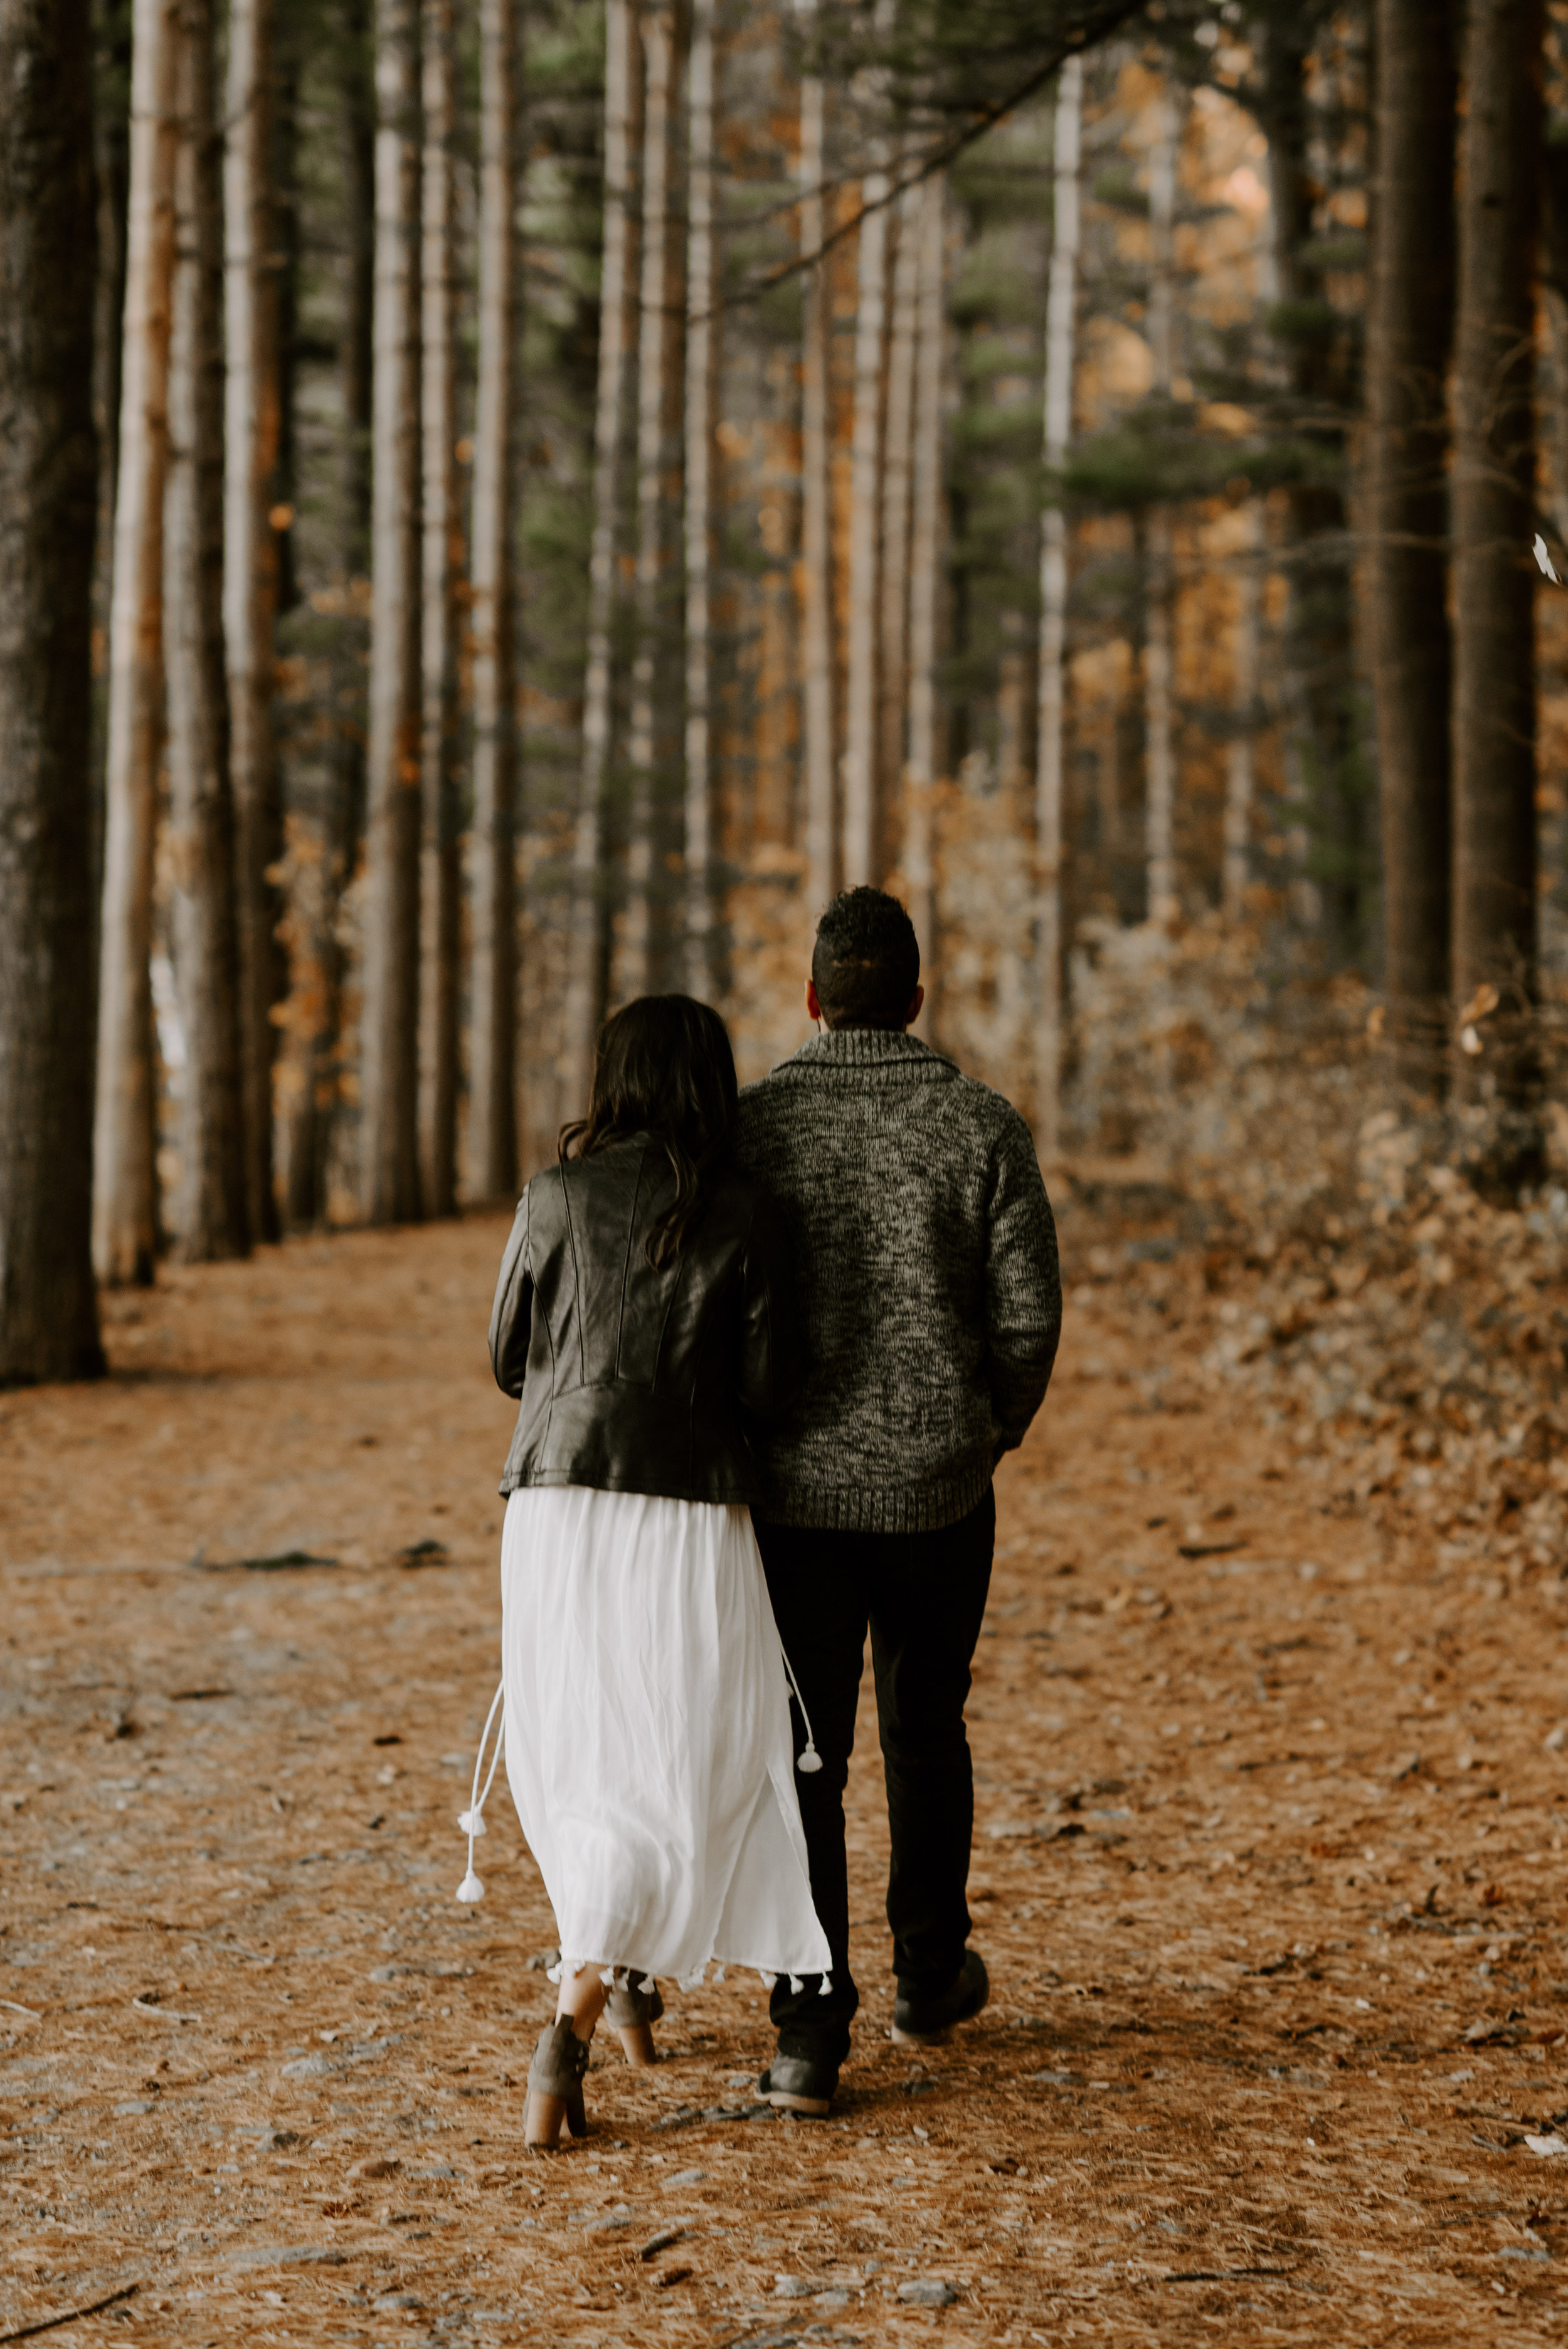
x,y
878,1508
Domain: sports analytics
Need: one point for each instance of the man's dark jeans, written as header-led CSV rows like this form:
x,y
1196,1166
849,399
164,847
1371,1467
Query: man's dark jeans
x,y
923,1596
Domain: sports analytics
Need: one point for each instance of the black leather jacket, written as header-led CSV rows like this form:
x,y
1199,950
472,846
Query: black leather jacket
x,y
630,1380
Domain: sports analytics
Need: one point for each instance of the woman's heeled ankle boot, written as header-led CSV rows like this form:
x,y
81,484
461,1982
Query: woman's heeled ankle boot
x,y
630,2012
555,2087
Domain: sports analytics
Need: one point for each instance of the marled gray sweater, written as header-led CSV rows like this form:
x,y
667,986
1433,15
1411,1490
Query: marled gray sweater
x,y
925,1267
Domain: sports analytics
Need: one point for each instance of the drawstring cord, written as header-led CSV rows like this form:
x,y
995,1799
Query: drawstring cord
x,y
810,1761
473,1820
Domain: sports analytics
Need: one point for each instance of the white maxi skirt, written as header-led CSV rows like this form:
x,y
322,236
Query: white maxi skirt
x,y
648,1743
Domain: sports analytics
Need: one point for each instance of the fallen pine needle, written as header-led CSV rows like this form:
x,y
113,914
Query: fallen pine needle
x,y
69,2315
163,2014
30,2012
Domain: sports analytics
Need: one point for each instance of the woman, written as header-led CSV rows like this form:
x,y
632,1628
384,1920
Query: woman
x,y
640,1320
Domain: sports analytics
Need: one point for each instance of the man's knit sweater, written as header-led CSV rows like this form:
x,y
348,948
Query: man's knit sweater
x,y
925,1268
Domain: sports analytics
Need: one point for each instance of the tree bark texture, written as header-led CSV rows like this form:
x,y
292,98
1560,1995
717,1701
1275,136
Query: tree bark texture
x,y
1159,782
1060,318
702,975
492,1090
1410,342
211,1218
818,716
250,556
898,454
858,786
112,146
1321,748
49,490
125,1179
389,1167
317,1110
925,523
637,957
442,554
1240,760
588,958
1494,829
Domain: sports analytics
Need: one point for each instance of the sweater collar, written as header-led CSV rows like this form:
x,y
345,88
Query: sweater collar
x,y
869,1048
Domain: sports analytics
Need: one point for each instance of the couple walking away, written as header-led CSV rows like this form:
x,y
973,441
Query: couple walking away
x,y
769,1349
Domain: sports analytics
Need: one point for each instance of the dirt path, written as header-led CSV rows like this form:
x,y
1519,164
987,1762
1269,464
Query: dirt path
x,y
1269,1872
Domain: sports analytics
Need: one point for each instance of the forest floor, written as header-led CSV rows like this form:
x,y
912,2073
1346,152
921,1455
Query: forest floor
x,y
1268,1872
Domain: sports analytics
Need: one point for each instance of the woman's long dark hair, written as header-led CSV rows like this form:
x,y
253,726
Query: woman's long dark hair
x,y
662,1067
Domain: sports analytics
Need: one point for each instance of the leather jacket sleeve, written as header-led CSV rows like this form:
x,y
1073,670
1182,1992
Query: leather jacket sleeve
x,y
771,1361
512,1312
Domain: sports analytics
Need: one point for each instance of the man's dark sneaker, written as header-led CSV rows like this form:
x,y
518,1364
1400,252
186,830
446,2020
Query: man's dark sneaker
x,y
799,2083
921,2021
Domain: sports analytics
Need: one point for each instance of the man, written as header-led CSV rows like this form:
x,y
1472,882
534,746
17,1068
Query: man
x,y
925,1261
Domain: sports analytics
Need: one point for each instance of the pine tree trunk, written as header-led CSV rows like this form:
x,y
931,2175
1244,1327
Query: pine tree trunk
x,y
861,847
657,28
587,967
925,517
125,1182
1494,834
439,875
816,514
892,647
492,1087
1322,749
389,1166
211,1214
701,959
111,141
1160,787
1410,342
48,488
249,575
1060,318
314,1124
1239,762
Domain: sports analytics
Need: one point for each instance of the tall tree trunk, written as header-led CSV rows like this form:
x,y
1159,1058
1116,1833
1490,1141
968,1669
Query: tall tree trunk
x,y
816,510
1409,343
389,1164
1160,786
125,1180
439,876
49,486
919,771
657,27
249,555
861,847
1494,884
587,966
892,647
492,1083
1322,749
1239,761
316,1117
1060,317
701,941
211,1218
112,143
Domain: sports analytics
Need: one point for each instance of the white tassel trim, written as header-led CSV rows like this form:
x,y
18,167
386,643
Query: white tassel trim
x,y
472,1821
808,1761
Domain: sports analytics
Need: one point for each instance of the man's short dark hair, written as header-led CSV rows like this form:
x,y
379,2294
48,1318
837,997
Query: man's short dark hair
x,y
865,964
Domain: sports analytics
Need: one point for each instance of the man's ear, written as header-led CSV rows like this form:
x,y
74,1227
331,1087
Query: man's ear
x,y
813,1008
915,1000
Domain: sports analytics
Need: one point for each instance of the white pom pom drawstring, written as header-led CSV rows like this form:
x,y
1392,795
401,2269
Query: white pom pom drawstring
x,y
808,1761
473,1820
